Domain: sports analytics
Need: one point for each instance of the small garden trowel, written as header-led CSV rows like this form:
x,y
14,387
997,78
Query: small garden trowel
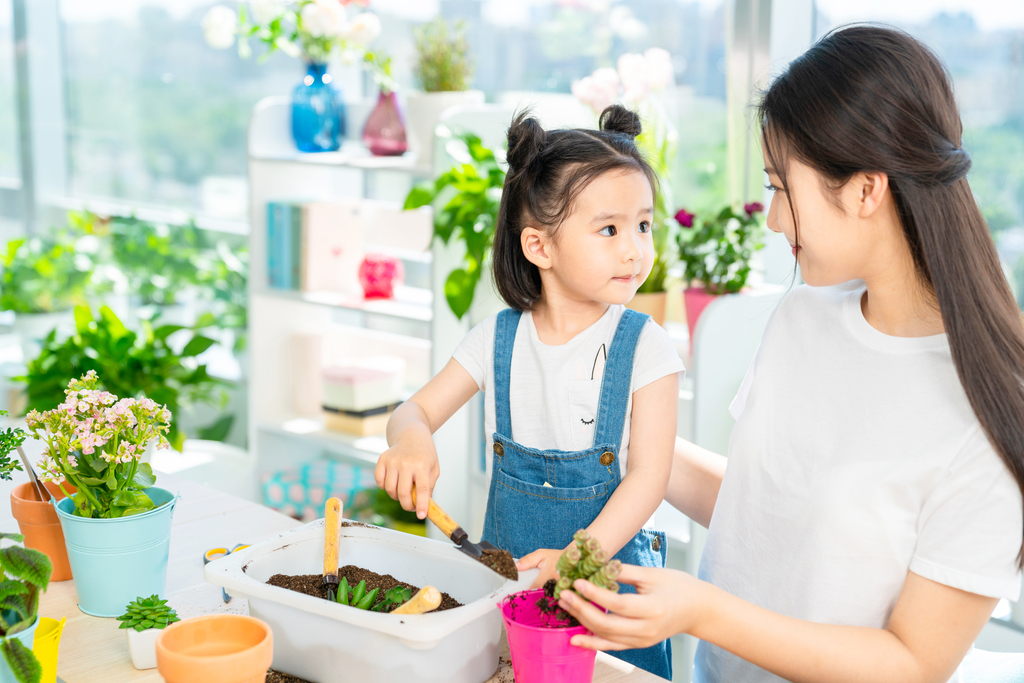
x,y
332,531
494,558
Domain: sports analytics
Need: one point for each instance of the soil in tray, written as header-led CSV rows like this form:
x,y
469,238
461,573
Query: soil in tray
x,y
313,584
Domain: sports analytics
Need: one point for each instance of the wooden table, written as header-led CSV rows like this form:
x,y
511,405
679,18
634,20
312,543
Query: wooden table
x,y
95,649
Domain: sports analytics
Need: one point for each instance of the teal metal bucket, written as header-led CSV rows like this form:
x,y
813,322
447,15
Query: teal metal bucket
x,y
26,637
114,561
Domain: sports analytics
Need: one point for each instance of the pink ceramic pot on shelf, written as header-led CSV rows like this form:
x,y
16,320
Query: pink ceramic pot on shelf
x,y
696,299
378,274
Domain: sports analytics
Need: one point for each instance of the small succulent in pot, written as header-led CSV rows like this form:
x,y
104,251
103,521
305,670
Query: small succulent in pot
x,y
145,619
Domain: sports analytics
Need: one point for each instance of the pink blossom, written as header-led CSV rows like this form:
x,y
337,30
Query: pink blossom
x,y
685,218
633,73
599,90
660,73
753,208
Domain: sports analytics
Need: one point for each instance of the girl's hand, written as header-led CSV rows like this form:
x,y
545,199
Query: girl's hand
x,y
546,560
668,602
411,460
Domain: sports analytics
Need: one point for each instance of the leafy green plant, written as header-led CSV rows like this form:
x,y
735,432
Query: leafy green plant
x,y
465,201
24,573
657,143
131,364
442,61
585,560
10,439
715,252
151,612
95,441
44,274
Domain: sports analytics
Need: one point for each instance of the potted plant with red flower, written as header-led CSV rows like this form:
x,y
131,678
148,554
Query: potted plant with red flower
x,y
715,254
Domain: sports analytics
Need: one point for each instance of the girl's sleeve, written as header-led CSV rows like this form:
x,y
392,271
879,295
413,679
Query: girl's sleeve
x,y
656,356
472,353
969,531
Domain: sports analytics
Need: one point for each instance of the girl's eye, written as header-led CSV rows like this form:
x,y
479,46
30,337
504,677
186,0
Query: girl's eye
x,y
645,227
607,231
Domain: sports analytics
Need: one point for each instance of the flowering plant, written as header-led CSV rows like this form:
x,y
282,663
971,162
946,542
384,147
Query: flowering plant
x,y
717,252
95,441
310,30
637,83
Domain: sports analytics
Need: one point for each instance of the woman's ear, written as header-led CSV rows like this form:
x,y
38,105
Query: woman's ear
x,y
872,189
536,247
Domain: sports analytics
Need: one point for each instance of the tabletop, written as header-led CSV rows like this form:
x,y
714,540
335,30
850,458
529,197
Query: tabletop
x,y
95,649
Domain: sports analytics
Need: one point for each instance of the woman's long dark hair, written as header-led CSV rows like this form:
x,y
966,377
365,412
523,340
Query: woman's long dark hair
x,y
867,98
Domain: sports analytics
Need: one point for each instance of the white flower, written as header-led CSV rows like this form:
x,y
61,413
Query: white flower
x,y
660,73
265,11
599,90
219,27
364,28
323,18
633,72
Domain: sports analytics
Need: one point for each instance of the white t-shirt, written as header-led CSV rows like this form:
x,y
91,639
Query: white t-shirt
x,y
554,389
855,458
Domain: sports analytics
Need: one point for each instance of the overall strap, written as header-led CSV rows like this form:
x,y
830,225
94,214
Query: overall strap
x,y
504,340
618,379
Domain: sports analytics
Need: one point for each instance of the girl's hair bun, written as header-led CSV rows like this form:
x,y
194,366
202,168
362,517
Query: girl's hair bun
x,y
618,119
526,141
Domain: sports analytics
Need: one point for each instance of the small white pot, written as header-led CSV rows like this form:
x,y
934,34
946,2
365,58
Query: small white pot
x,y
423,112
142,646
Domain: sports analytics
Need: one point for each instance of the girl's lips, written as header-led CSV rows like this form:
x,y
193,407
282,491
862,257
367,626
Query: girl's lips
x,y
628,278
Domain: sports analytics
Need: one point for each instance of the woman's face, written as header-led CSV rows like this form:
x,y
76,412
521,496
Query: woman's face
x,y
829,242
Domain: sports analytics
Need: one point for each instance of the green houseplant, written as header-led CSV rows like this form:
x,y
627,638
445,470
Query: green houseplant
x,y
117,525
443,70
131,364
465,201
145,619
24,573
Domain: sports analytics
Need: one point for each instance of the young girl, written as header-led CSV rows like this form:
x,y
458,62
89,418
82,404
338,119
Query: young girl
x,y
870,516
581,392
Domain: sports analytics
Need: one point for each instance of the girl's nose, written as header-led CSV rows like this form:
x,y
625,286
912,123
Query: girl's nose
x,y
634,251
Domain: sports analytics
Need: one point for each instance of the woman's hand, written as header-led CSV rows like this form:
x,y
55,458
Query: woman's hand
x,y
668,602
411,461
545,559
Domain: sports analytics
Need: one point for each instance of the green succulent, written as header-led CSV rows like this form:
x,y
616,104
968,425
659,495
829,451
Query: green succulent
x,y
586,560
24,573
151,612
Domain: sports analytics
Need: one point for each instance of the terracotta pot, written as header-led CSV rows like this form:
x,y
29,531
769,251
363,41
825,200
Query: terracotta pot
x,y
40,525
696,299
228,648
651,303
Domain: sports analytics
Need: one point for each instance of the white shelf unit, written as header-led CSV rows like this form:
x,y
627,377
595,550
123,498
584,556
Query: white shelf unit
x,y
416,325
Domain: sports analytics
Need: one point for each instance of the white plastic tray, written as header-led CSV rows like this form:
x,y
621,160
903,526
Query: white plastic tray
x,y
324,642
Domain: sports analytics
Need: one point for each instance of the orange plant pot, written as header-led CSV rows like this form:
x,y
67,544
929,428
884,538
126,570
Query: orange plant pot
x,y
40,525
228,648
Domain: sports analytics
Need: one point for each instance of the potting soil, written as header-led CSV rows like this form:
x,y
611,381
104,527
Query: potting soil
x,y
278,677
501,561
313,584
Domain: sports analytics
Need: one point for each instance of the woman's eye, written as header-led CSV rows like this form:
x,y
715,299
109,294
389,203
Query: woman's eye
x,y
645,227
771,188
607,231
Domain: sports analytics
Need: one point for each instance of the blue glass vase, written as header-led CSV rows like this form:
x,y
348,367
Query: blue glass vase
x,y
318,113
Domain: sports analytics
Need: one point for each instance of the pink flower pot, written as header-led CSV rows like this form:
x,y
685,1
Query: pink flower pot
x,y
384,132
539,648
379,274
696,300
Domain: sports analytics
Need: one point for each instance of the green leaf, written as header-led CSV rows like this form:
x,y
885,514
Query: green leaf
x,y
197,345
458,290
22,662
144,477
13,537
9,587
165,331
83,316
219,430
26,564
417,197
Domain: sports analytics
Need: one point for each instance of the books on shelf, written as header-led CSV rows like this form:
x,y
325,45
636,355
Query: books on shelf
x,y
315,246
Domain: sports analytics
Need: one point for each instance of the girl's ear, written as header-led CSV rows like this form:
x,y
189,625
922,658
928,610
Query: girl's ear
x,y
872,189
536,247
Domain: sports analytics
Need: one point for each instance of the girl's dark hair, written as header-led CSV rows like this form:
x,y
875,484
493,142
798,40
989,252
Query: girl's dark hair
x,y
547,171
867,98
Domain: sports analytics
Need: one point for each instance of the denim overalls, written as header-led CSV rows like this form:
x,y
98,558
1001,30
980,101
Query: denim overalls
x,y
524,515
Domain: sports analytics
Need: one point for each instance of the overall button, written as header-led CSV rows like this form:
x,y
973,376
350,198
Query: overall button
x,y
656,544
499,449
607,458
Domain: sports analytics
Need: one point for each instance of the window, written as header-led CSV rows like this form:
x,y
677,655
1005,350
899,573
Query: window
x,y
9,149
982,45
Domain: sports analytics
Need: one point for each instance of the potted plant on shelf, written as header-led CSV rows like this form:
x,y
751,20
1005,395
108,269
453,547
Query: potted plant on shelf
x,y
313,31
24,573
37,520
145,619
444,72
131,365
465,201
117,524
539,631
715,254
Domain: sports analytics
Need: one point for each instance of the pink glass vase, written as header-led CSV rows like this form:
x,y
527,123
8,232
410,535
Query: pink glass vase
x,y
384,132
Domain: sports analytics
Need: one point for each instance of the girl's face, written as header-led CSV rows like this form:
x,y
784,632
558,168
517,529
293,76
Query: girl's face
x,y
604,250
833,245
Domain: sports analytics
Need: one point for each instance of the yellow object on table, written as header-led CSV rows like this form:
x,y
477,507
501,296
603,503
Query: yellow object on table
x,y
46,646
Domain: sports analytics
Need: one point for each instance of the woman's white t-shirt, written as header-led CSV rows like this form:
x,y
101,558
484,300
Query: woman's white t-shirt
x,y
554,390
855,458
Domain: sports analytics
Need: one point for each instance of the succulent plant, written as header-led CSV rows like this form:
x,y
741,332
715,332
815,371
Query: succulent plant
x,y
586,560
151,612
